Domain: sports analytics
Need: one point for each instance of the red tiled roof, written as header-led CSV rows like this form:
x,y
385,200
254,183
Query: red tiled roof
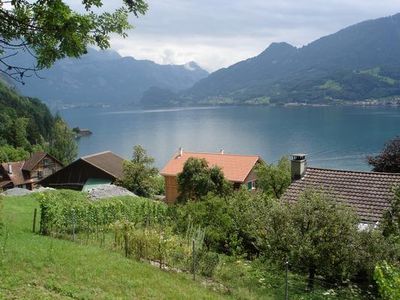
x,y
235,167
367,192
17,176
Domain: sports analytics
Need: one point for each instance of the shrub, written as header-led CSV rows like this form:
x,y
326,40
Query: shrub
x,y
388,280
208,262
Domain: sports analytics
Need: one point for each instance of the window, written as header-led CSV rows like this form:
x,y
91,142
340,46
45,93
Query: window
x,y
251,185
46,162
40,174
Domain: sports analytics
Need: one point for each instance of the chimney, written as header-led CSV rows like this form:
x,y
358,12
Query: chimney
x,y
9,169
298,166
180,151
221,151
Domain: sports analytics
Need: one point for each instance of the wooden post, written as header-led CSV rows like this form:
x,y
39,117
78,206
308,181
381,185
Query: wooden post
x,y
34,220
126,244
193,259
286,280
73,226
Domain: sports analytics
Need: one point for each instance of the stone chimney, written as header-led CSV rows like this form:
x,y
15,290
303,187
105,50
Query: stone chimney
x,y
10,169
298,166
180,151
221,151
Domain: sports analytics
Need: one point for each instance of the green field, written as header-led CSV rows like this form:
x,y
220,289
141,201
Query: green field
x,y
40,267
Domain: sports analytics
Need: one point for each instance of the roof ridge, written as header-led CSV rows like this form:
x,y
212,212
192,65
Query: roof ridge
x,y
96,154
218,153
357,172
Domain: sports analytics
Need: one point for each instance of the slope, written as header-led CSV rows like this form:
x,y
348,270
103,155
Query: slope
x,y
38,267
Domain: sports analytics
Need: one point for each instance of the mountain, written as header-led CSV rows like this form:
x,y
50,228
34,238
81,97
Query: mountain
x,y
104,77
357,63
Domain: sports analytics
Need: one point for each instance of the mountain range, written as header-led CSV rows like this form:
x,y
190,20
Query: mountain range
x,y
358,63
105,77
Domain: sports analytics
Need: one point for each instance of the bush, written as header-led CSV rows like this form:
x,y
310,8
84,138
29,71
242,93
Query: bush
x,y
208,262
388,280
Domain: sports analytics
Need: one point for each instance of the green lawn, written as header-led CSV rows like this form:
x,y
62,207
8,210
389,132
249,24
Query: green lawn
x,y
39,267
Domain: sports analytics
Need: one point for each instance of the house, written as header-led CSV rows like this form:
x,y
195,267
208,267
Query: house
x,y
238,169
100,168
368,193
27,174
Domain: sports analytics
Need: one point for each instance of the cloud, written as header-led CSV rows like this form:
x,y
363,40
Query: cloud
x,y
218,33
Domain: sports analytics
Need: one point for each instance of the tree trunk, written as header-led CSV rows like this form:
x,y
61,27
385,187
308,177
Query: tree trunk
x,y
311,276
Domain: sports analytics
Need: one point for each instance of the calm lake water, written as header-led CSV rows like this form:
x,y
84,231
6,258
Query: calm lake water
x,y
333,137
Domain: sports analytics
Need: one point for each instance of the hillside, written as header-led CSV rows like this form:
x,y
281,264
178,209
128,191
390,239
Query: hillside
x,y
104,77
39,267
15,108
359,62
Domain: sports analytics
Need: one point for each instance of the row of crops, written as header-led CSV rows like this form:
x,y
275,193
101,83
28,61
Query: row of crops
x,y
66,212
137,227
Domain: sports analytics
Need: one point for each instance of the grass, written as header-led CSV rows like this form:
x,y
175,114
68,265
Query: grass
x,y
39,267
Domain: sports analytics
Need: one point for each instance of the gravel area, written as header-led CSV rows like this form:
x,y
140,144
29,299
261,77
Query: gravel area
x,y
108,191
16,192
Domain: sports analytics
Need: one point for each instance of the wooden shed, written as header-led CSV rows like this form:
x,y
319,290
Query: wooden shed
x,y
104,166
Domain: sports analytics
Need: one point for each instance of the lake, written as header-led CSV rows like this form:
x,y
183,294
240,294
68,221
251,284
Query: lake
x,y
332,137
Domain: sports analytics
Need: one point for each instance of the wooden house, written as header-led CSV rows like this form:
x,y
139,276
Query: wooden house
x,y
27,174
101,168
238,169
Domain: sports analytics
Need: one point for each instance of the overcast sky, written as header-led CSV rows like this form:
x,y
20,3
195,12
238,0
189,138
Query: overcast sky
x,y
218,33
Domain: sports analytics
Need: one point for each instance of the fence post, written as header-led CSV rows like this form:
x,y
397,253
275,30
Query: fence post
x,y
286,280
126,244
73,225
194,259
34,220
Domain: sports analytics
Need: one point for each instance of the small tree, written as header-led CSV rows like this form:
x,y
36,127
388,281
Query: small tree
x,y
391,218
316,234
62,144
274,179
140,176
325,236
389,159
197,180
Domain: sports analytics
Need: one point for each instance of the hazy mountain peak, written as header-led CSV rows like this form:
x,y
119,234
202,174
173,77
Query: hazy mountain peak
x,y
278,48
192,66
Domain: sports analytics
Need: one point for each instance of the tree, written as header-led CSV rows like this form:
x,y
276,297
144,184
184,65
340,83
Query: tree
x,y
316,235
62,143
197,180
140,176
51,30
274,179
389,159
9,153
391,218
20,134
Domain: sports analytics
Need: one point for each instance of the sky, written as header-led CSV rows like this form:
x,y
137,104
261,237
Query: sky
x,y
219,33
